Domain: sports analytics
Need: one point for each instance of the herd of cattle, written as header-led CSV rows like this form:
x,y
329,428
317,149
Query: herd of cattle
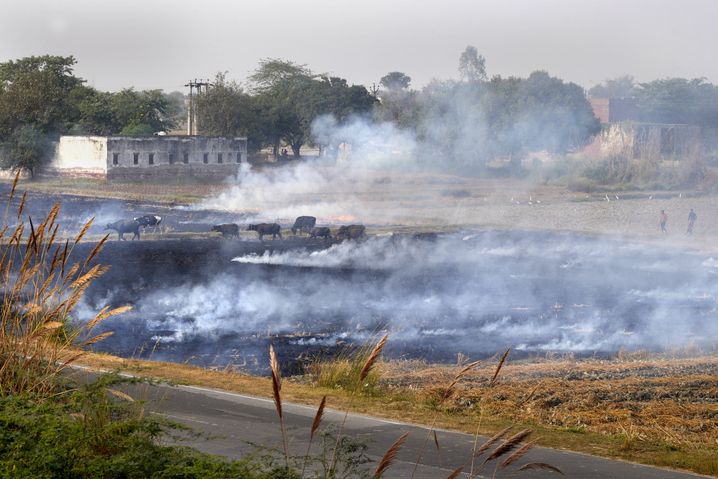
x,y
303,224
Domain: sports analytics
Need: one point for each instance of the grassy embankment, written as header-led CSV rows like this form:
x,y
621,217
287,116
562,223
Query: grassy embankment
x,y
654,410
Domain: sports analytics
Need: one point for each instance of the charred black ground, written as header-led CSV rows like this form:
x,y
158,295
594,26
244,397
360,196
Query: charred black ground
x,y
474,294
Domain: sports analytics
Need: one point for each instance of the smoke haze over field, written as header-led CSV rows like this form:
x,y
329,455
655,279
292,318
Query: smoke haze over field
x,y
470,293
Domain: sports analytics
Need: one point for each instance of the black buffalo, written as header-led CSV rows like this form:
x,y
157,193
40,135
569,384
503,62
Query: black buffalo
x,y
321,232
149,220
266,229
351,232
125,226
304,224
227,229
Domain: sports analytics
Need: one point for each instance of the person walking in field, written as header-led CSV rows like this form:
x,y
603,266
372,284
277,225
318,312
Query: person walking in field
x,y
692,217
664,220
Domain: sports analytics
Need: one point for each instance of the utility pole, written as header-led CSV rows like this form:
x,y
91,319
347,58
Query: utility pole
x,y
194,85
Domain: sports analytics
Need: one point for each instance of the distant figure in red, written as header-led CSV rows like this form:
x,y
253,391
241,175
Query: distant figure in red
x,y
692,217
664,220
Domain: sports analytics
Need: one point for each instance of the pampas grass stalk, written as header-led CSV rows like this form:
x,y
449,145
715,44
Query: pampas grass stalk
x,y
492,440
456,473
277,394
500,365
508,445
518,454
389,456
315,426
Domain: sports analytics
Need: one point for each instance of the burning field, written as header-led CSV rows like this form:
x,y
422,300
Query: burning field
x,y
221,303
450,293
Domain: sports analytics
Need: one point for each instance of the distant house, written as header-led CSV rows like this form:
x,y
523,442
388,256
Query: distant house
x,y
123,157
614,110
623,135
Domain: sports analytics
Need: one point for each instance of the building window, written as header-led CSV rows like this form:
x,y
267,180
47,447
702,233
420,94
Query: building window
x,y
151,158
239,157
136,159
219,158
172,158
115,158
185,158
205,158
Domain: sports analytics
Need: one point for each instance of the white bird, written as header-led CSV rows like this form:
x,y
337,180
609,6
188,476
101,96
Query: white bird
x,y
680,195
617,197
650,197
607,198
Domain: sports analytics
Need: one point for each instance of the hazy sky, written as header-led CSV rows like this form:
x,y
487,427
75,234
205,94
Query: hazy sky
x,y
164,43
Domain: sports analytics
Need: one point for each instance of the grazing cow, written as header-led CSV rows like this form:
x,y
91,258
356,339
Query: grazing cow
x,y
321,232
125,226
266,229
149,220
351,232
303,224
227,229
425,236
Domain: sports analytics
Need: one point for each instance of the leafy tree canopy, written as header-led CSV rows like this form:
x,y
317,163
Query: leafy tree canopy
x,y
620,87
37,91
27,147
395,81
472,66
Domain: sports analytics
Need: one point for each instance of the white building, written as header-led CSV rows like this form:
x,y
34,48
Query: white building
x,y
123,157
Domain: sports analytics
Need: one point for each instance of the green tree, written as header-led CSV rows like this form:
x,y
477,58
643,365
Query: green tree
x,y
37,91
144,111
398,104
227,110
465,125
279,85
679,100
395,81
26,148
472,66
291,97
620,87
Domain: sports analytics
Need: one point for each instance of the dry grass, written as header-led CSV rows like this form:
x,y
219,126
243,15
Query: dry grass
x,y
40,289
165,192
672,400
389,456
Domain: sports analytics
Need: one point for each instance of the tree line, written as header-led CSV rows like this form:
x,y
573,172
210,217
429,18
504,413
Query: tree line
x,y
668,100
41,98
459,124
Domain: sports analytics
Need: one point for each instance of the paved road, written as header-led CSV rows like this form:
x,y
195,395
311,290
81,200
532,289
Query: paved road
x,y
233,421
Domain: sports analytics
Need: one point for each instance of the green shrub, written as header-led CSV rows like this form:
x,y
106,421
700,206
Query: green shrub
x,y
87,434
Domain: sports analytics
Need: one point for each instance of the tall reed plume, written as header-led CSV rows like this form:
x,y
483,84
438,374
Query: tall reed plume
x,y
40,289
277,394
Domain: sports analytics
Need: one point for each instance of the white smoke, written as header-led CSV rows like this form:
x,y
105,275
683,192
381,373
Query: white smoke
x,y
470,293
368,165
